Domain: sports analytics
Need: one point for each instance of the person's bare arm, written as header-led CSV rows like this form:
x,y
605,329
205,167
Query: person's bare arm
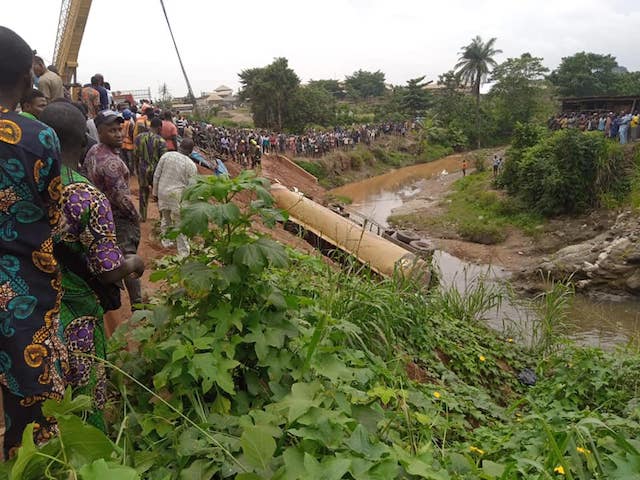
x,y
133,264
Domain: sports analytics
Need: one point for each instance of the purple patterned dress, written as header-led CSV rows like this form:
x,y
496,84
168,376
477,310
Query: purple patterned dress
x,y
90,233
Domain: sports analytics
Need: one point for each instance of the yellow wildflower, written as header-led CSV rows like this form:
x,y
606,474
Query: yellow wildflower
x,y
510,340
476,450
482,358
584,451
437,394
559,470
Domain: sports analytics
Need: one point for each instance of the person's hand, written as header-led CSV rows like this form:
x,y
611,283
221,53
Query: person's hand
x,y
154,198
136,265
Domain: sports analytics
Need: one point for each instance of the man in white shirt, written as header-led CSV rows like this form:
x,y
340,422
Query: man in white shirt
x,y
175,172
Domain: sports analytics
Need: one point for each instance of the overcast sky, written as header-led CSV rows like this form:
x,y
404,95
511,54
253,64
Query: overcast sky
x,y
128,40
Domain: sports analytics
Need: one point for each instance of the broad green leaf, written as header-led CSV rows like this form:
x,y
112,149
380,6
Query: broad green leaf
x,y
27,454
360,467
83,443
214,369
190,443
258,447
492,468
194,218
251,256
273,251
248,476
359,443
385,394
384,470
221,405
198,276
331,468
301,399
200,468
294,464
102,470
52,408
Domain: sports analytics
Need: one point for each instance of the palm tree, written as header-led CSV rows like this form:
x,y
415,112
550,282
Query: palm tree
x,y
473,67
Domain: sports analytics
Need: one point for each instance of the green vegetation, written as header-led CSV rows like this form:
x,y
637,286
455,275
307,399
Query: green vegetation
x,y
363,84
344,166
473,67
316,169
568,171
255,362
479,213
591,74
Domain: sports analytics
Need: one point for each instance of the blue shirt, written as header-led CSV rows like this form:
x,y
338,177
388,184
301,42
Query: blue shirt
x,y
104,97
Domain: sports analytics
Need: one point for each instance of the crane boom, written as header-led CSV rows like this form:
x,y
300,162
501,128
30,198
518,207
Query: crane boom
x,y
71,23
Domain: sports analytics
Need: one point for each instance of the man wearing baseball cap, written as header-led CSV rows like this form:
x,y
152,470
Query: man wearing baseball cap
x,y
106,170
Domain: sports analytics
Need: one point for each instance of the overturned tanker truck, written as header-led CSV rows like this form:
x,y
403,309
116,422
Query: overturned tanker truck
x,y
381,255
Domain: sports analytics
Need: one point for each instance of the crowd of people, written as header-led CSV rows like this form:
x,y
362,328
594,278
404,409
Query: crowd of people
x,y
247,145
623,126
69,230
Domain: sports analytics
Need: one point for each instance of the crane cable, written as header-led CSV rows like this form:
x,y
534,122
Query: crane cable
x,y
184,72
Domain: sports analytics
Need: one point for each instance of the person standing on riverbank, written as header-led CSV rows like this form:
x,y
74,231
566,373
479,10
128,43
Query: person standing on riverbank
x,y
464,167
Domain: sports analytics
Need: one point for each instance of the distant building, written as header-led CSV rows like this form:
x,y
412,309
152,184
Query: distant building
x,y
224,91
606,103
221,97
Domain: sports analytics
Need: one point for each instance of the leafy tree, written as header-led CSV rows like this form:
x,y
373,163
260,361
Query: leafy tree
x,y
519,93
474,65
414,98
330,85
312,104
628,83
271,90
586,74
363,84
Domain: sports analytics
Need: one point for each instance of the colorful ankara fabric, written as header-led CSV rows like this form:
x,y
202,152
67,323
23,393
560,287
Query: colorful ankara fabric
x,y
32,354
90,234
106,170
149,147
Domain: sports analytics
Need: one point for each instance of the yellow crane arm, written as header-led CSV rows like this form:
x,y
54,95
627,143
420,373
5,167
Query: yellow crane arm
x,y
73,18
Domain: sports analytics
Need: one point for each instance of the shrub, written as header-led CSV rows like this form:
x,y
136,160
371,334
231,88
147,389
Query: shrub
x,y
431,152
568,171
480,231
314,168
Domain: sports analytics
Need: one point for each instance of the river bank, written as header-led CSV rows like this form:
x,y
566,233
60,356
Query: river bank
x,y
419,198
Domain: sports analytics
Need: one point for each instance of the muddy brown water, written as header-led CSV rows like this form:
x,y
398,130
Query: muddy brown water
x,y
603,323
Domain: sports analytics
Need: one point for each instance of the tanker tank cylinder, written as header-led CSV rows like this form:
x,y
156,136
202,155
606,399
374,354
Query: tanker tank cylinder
x,y
381,255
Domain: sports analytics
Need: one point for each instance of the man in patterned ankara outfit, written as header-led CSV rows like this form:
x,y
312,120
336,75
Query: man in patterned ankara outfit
x,y
106,170
90,261
31,353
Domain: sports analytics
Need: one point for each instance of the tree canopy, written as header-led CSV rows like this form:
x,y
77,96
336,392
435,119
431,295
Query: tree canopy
x,y
520,91
362,84
330,85
474,66
586,74
271,91
476,61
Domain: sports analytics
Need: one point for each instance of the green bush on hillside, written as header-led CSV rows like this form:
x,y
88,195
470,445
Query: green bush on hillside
x,y
314,168
568,171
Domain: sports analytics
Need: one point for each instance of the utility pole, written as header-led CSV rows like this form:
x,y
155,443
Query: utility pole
x,y
192,98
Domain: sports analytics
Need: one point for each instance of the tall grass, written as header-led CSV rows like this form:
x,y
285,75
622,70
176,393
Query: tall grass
x,y
550,325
